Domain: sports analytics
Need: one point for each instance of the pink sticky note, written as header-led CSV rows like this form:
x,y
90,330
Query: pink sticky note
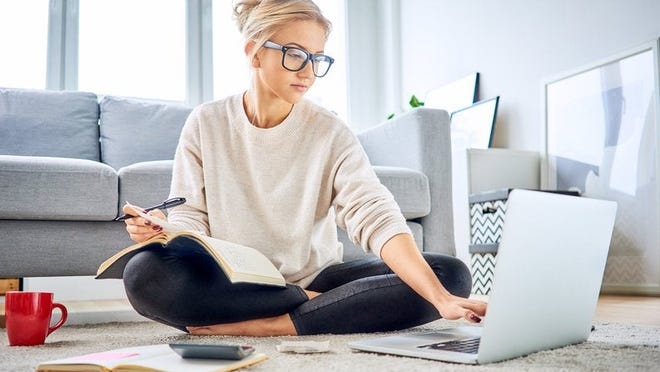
x,y
103,357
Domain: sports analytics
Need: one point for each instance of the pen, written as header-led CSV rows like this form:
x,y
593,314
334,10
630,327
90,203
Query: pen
x,y
169,203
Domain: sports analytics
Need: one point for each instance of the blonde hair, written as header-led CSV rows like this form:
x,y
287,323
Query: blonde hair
x,y
258,20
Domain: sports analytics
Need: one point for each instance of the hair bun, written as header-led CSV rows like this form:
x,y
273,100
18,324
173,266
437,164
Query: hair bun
x,y
242,11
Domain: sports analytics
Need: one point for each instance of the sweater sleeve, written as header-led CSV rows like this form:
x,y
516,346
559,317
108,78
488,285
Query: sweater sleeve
x,y
364,207
188,179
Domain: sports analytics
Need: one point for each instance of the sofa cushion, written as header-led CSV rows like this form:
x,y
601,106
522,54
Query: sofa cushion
x,y
134,131
49,123
409,187
44,188
145,184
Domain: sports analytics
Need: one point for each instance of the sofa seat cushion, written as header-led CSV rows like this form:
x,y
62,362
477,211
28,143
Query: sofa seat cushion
x,y
46,188
146,183
134,131
49,123
410,189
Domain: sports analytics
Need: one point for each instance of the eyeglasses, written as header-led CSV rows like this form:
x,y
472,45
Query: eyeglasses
x,y
295,59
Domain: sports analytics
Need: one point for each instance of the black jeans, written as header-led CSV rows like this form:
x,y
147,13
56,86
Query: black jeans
x,y
185,289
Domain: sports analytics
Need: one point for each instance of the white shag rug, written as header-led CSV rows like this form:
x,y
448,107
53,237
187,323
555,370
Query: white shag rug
x,y
611,347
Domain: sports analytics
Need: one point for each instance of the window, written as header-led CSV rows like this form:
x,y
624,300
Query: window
x,y
138,49
231,72
230,66
133,48
24,38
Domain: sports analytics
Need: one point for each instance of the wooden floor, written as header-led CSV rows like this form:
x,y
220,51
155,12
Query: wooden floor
x,y
628,310
640,310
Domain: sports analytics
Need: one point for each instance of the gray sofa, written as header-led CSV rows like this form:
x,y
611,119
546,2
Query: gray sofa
x,y
68,162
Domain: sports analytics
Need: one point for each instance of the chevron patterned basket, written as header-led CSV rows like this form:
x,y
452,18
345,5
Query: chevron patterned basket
x,y
486,221
482,267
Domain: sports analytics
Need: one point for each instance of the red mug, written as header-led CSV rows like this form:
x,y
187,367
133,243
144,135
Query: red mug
x,y
27,317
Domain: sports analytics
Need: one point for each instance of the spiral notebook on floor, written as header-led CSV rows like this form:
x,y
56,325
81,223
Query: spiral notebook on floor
x,y
550,266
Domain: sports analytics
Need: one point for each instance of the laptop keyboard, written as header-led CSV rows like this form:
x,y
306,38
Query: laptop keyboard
x,y
468,345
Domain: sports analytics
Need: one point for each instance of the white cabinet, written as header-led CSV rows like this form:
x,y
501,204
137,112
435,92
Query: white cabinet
x,y
494,169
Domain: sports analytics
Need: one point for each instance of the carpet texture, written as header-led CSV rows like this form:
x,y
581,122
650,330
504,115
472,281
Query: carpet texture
x,y
611,347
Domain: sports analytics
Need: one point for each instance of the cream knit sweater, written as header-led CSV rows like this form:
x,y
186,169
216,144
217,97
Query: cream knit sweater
x,y
281,190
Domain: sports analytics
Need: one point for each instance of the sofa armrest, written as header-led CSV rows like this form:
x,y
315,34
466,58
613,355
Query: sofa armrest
x,y
420,139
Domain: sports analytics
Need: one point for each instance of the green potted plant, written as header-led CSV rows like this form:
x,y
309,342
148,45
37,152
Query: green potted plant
x,y
414,103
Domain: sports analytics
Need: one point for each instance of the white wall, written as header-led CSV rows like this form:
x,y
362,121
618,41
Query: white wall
x,y
515,45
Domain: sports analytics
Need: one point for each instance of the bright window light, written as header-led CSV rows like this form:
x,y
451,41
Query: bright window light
x,y
133,48
23,39
230,66
331,91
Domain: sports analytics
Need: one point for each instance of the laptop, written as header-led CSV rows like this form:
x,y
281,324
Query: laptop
x,y
547,279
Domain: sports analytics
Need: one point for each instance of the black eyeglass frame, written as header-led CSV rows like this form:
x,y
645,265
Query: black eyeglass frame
x,y
310,57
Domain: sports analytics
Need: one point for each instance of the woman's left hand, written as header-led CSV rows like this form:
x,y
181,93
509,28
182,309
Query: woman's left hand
x,y
401,254
455,307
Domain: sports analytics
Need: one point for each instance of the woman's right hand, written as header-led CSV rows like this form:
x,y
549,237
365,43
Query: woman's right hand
x,y
140,229
454,307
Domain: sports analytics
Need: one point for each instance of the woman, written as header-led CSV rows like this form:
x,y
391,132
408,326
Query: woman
x,y
271,170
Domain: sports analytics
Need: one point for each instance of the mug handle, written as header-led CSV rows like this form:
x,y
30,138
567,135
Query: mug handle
x,y
62,317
